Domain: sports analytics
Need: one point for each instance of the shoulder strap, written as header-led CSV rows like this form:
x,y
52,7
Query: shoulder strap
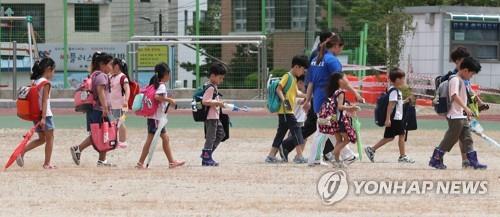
x,y
288,82
208,85
42,84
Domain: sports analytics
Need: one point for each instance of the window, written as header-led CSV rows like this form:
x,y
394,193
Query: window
x,y
86,18
299,14
240,15
481,38
16,30
270,14
185,84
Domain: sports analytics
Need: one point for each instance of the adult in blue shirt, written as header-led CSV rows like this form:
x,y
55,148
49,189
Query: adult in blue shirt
x,y
319,72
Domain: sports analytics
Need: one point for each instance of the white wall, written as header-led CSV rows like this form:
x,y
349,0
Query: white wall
x,y
422,51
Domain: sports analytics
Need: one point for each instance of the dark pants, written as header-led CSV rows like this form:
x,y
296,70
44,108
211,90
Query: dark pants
x,y
308,129
287,122
214,134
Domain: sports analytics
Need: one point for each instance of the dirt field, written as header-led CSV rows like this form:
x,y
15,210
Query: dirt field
x,y
242,186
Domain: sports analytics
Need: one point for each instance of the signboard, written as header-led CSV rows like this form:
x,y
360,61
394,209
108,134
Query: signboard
x,y
149,56
79,55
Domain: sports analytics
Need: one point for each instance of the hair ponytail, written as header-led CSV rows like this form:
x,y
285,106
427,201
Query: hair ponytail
x,y
333,40
40,66
161,70
123,66
333,84
99,58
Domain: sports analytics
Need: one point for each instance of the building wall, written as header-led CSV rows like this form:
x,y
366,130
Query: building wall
x,y
422,52
286,47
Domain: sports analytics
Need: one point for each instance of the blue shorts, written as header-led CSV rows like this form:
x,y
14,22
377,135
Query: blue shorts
x,y
49,125
153,126
93,116
117,113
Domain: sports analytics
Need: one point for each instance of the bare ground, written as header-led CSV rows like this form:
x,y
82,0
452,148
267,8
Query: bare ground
x,y
242,186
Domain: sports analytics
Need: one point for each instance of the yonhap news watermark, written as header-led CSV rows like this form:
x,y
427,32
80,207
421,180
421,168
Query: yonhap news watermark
x,y
333,186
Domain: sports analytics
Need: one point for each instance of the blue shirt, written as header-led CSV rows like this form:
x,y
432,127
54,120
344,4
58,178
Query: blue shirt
x,y
319,75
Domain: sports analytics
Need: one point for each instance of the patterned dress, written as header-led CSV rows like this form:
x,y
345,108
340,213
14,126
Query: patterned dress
x,y
332,121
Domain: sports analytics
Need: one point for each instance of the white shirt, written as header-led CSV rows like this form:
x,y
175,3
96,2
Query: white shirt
x,y
40,97
456,86
299,112
162,106
397,96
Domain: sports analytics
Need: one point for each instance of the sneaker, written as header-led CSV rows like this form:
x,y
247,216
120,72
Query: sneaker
x,y
76,154
339,164
20,161
300,160
466,164
271,160
105,163
283,156
328,157
370,153
350,160
405,159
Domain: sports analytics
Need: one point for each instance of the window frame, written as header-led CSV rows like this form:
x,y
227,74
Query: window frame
x,y
79,21
475,43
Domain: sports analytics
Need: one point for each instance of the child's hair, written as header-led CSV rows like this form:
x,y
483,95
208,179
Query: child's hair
x,y
161,70
300,60
99,58
40,66
216,69
301,78
459,53
333,84
471,64
396,73
123,66
333,40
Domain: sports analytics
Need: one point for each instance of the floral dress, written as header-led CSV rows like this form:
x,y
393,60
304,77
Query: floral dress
x,y
332,121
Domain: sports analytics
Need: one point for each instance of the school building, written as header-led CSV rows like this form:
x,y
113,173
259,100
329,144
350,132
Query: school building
x,y
439,29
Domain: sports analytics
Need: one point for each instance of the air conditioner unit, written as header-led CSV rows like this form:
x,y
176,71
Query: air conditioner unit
x,y
96,2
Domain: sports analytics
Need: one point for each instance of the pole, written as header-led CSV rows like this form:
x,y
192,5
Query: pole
x,y
365,46
263,17
14,70
29,22
65,36
311,25
197,32
330,14
160,24
131,18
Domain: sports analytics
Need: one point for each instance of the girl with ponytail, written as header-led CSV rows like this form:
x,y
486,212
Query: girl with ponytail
x,y
120,93
43,72
161,76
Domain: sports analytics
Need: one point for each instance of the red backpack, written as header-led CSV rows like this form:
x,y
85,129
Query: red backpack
x,y
84,98
27,104
134,90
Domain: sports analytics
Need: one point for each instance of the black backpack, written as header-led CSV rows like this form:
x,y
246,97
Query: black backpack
x,y
439,79
381,108
199,110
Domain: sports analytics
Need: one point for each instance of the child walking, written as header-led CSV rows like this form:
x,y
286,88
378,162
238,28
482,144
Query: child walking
x,y
287,120
120,93
394,118
458,117
335,117
102,65
43,72
162,75
213,126
300,115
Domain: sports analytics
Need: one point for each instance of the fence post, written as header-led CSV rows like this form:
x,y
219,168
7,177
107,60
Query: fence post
x,y
197,32
65,36
14,70
131,32
330,14
263,17
365,46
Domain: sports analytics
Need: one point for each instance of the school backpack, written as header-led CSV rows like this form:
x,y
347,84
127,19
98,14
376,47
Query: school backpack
x,y
134,90
84,98
442,78
27,103
146,102
273,100
199,110
442,101
381,108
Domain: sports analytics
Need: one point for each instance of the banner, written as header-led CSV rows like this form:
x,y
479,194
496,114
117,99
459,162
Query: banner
x,y
79,55
149,56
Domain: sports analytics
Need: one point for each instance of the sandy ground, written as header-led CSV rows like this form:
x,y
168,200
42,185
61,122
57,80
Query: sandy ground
x,y
242,186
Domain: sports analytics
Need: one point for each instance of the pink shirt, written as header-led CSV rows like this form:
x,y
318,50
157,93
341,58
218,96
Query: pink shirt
x,y
117,96
100,78
457,87
213,111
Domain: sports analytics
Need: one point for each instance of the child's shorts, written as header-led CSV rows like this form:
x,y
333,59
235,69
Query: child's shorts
x,y
153,126
49,125
396,129
117,113
93,116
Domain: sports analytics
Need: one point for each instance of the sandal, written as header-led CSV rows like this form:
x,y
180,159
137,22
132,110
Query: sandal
x,y
122,145
176,164
140,166
49,167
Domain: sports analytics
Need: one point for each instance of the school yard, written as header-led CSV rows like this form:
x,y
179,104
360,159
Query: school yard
x,y
242,186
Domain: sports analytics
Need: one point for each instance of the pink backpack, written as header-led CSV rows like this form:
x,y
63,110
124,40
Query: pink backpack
x,y
149,103
84,98
104,135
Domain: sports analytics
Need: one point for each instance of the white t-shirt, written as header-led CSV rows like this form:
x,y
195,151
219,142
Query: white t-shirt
x,y
397,96
40,94
456,111
299,112
162,106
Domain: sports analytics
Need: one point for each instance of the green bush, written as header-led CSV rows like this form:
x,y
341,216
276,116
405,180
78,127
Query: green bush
x,y
251,81
278,72
490,98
